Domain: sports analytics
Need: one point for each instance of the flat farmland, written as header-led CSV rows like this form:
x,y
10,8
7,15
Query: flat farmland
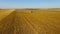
x,y
4,13
31,22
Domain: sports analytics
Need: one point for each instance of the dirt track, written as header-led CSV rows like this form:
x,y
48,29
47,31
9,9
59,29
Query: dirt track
x,y
31,23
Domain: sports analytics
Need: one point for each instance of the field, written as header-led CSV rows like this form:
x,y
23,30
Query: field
x,y
38,21
4,13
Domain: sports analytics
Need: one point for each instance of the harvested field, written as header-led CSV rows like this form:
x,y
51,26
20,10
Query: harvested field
x,y
4,13
30,22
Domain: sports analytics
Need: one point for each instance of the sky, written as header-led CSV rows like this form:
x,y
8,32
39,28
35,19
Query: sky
x,y
29,3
